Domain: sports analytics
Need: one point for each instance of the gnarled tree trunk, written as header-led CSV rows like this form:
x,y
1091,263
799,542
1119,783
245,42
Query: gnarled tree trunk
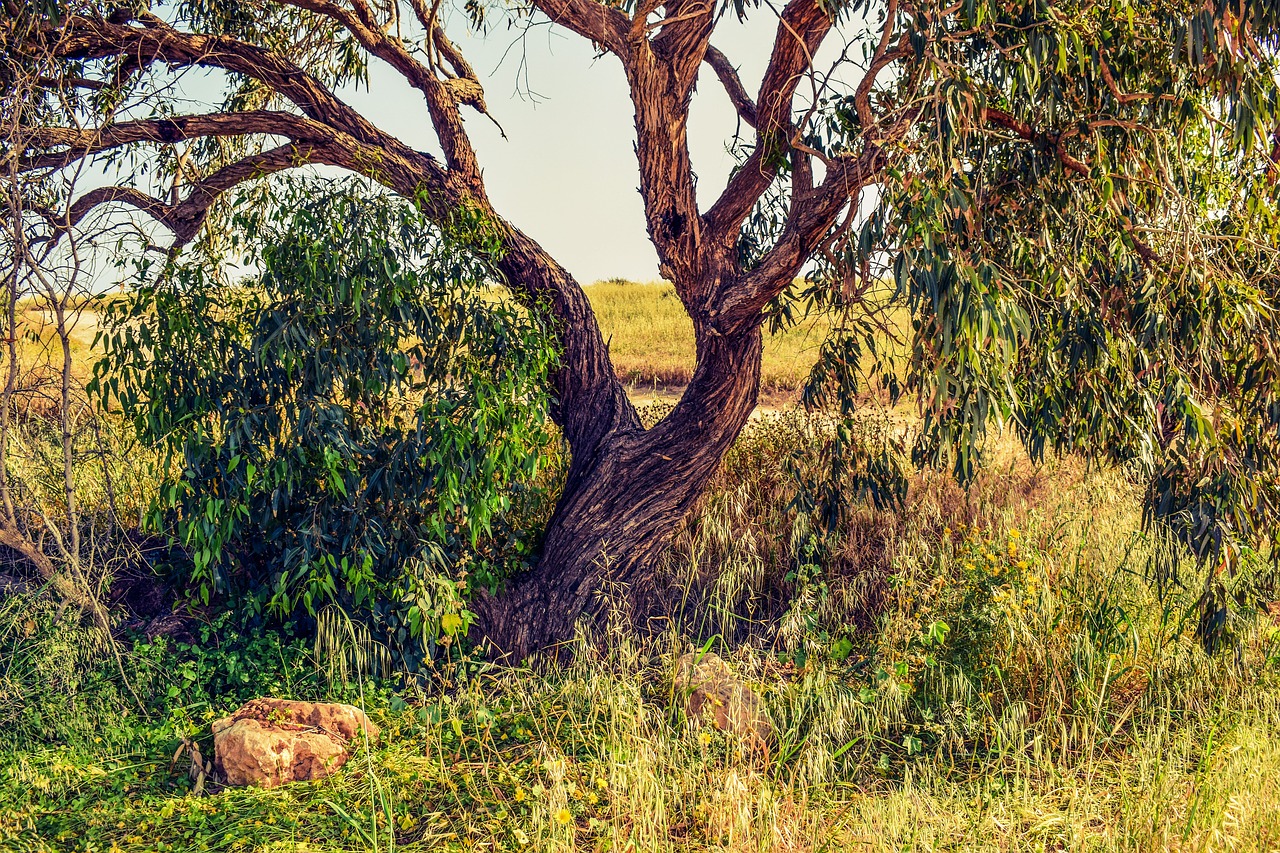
x,y
624,497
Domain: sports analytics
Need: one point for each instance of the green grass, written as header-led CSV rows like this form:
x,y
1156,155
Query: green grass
x,y
1062,706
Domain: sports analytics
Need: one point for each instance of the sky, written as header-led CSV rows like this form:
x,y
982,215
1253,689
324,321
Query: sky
x,y
566,174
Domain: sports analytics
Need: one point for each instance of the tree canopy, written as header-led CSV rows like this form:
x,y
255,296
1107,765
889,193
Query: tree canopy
x,y
1074,203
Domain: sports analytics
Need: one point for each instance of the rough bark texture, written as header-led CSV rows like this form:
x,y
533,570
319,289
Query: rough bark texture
x,y
623,501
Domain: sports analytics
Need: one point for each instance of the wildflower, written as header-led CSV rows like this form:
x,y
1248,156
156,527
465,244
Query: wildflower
x,y
1014,534
563,817
704,738
520,795
592,798
601,784
1023,564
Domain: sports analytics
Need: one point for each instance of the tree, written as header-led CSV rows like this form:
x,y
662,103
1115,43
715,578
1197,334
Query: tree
x,y
994,137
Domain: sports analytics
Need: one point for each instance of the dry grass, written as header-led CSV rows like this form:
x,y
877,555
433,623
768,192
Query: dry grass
x,y
651,341
1068,708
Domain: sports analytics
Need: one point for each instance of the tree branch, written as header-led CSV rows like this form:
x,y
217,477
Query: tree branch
x,y
682,40
801,29
813,214
1002,119
733,87
88,38
881,59
601,24
83,142
442,100
185,218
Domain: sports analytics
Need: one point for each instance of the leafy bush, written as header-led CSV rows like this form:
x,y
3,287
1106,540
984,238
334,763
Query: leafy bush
x,y
357,424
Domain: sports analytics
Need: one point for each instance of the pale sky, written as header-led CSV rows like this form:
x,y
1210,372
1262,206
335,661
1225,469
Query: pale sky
x,y
567,174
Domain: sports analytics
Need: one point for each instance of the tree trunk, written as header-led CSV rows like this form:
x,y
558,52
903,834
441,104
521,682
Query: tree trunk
x,y
623,501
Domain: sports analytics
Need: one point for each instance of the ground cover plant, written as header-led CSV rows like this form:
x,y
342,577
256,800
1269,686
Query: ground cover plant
x,y
989,671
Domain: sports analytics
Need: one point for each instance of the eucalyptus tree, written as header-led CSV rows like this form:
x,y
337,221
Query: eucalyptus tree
x,y
1048,194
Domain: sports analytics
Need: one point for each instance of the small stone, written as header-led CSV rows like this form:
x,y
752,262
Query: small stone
x,y
269,742
711,692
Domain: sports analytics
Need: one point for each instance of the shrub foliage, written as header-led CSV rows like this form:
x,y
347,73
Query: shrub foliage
x,y
355,423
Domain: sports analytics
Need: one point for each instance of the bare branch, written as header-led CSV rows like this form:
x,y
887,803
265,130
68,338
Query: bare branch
x,y
881,59
733,87
603,25
801,29
1002,119
80,143
442,99
813,214
88,38
185,218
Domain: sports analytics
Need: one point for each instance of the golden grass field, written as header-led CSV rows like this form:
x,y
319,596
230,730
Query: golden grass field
x,y
651,341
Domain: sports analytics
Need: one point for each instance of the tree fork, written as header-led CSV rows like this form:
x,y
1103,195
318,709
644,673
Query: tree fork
x,y
622,503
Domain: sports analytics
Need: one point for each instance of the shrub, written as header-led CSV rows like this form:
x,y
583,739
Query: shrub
x,y
358,423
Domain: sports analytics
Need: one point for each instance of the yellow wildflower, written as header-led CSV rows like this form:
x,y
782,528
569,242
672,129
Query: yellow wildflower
x,y
563,817
704,738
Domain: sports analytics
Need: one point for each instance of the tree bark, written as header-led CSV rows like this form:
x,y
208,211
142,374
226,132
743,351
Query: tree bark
x,y
622,503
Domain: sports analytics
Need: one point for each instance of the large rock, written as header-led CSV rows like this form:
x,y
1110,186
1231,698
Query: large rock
x,y
712,693
272,741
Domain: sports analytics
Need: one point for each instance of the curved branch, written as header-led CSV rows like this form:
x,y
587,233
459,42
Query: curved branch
x,y
812,214
733,87
881,59
587,387
359,21
442,100
802,27
185,218
1002,119
87,38
601,24
83,142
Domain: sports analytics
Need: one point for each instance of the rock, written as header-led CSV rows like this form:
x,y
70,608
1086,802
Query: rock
x,y
713,693
268,742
